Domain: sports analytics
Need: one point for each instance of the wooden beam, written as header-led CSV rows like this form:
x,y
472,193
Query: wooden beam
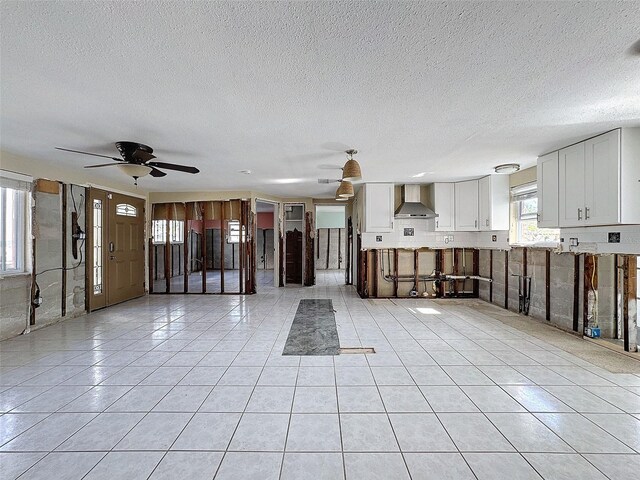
x,y
395,272
151,263
491,276
223,242
454,256
63,293
506,279
188,211
240,252
167,251
576,290
339,248
310,267
416,266
524,262
374,280
476,271
328,246
547,285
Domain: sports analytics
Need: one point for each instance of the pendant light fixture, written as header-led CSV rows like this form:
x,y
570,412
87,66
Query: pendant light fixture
x,y
351,171
345,190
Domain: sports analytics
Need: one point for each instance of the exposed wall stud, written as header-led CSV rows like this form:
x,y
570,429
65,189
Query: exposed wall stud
x,y
547,285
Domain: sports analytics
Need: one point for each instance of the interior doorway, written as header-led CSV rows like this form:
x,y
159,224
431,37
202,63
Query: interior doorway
x,y
331,245
294,243
266,214
116,256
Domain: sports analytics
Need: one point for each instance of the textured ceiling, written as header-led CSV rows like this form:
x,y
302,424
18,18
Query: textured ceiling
x,y
447,88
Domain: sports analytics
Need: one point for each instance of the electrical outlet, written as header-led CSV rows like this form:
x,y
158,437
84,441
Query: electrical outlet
x,y
378,238
573,242
494,238
614,237
408,232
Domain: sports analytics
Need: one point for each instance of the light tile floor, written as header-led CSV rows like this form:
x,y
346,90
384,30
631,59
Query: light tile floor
x,y
195,387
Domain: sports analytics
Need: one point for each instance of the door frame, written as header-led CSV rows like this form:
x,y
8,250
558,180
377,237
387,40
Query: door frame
x,y
276,237
284,242
91,190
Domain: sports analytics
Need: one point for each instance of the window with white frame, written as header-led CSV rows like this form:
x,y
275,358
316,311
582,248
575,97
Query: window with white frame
x,y
14,200
524,216
233,235
176,231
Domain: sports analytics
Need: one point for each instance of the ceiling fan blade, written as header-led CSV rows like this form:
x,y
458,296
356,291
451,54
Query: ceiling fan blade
x,y
173,166
142,155
156,173
101,165
88,153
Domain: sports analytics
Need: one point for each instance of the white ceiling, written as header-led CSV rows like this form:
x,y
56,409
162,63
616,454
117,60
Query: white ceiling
x,y
451,88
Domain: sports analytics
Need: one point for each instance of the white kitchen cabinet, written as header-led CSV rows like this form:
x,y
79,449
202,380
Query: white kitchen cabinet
x,y
547,186
597,181
571,185
379,207
466,206
443,204
602,182
493,202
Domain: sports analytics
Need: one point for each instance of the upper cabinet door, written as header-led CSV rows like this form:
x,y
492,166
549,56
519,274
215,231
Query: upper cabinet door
x,y
571,186
466,206
548,190
484,203
443,206
379,207
602,179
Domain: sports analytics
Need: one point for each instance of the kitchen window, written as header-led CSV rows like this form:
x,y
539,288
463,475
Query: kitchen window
x,y
524,218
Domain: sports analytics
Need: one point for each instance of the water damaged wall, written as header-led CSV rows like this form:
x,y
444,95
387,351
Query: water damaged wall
x,y
60,276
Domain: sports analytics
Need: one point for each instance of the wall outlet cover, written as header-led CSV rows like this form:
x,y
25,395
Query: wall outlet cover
x,y
494,238
408,232
614,237
378,238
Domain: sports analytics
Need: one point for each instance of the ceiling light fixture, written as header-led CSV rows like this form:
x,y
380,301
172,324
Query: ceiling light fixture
x,y
134,170
345,190
351,170
507,168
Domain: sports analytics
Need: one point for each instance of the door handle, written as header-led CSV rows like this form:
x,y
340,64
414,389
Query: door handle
x,y
111,247
486,222
579,214
112,257
586,213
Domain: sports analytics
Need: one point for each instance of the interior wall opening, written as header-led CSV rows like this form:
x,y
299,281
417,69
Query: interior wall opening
x,y
331,244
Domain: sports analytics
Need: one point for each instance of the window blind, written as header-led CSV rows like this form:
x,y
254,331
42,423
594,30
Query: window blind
x,y
15,181
524,192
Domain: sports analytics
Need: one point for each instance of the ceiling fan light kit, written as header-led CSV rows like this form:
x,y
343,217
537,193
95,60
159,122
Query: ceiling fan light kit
x,y
134,170
351,170
507,168
345,190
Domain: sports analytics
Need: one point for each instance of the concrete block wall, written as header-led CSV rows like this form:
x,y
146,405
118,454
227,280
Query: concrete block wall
x,y
336,248
15,295
15,290
561,288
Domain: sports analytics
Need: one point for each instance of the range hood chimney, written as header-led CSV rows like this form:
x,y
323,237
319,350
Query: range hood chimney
x,y
411,206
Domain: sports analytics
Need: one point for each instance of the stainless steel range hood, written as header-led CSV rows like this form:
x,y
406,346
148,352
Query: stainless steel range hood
x,y
411,206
